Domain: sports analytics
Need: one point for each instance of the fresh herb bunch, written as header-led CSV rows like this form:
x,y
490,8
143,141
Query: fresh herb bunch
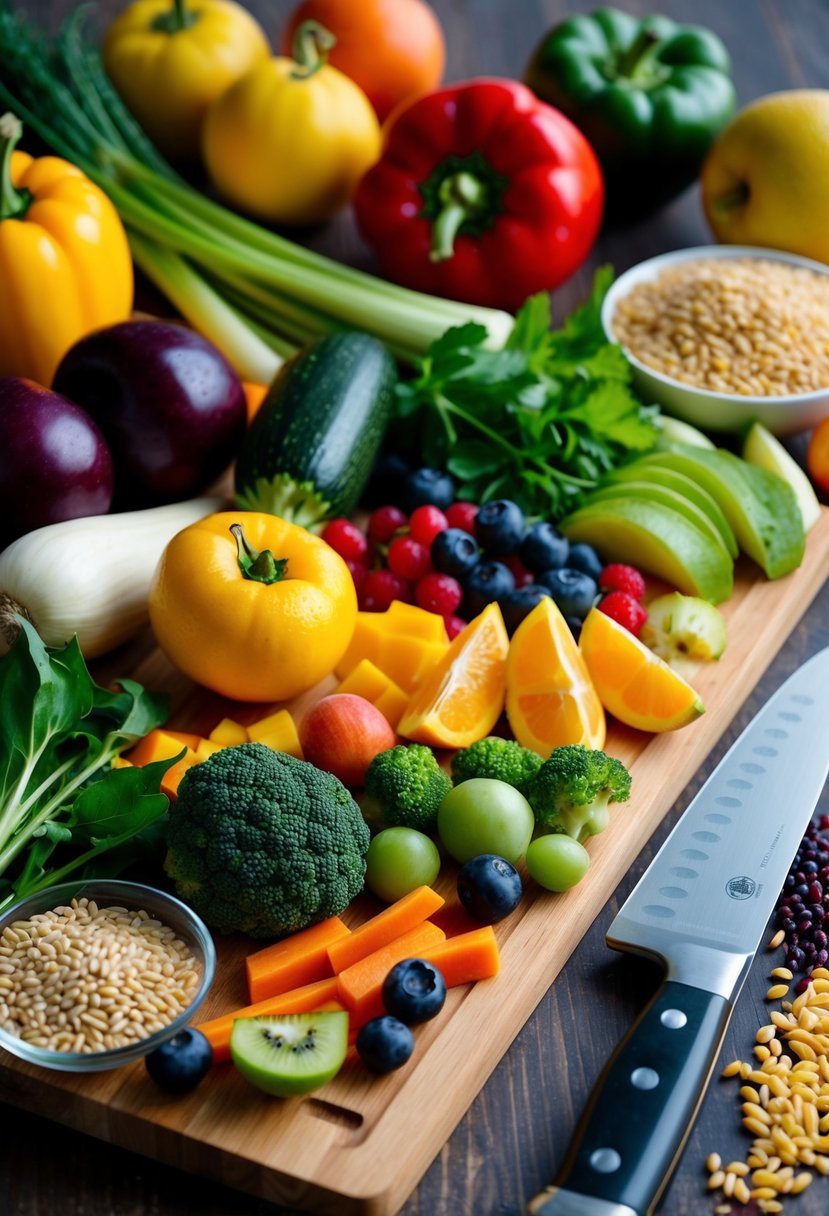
x,y
540,421
62,804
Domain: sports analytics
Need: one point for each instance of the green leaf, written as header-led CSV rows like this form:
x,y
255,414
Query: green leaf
x,y
474,458
124,801
532,323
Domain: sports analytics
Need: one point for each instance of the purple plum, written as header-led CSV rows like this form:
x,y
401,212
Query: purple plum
x,y
171,407
54,461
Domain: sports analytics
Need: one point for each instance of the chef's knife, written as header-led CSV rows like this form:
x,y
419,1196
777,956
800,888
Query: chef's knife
x,y
701,908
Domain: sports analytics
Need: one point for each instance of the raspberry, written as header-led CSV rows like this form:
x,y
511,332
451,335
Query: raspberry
x,y
407,558
345,538
623,608
454,626
380,589
384,522
425,523
438,593
462,515
618,577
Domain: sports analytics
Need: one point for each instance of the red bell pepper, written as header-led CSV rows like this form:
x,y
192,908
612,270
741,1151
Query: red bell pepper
x,y
483,193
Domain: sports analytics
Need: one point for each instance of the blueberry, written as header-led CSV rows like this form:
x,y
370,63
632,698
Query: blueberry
x,y
389,471
575,624
585,558
414,991
486,582
384,1044
181,1062
427,487
489,887
573,591
454,552
499,526
520,603
543,548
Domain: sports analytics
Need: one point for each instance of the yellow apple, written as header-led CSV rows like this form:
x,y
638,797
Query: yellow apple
x,y
766,178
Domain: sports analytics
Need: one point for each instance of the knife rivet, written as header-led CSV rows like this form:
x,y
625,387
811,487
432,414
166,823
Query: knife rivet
x,y
644,1078
673,1019
605,1160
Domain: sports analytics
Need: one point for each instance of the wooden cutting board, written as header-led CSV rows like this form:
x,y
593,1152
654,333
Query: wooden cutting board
x,y
361,1144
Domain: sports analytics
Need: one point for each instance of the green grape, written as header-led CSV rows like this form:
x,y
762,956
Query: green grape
x,y
483,815
398,860
557,862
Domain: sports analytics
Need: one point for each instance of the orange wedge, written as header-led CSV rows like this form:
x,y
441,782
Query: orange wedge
x,y
461,698
551,700
634,684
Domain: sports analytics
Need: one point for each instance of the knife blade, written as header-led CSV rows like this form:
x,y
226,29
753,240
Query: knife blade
x,y
701,908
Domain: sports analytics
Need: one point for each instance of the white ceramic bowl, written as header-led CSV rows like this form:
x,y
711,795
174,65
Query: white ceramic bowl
x,y
133,896
703,407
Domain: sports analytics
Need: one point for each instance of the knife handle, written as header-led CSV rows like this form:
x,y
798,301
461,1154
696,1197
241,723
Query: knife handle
x,y
642,1108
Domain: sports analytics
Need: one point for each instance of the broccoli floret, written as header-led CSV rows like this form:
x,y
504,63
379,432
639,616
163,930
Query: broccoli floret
x,y
573,788
264,844
502,759
404,787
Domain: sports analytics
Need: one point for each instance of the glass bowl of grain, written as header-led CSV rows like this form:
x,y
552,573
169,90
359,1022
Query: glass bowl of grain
x,y
725,335
97,974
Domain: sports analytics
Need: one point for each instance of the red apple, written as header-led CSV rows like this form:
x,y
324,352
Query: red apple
x,y
342,734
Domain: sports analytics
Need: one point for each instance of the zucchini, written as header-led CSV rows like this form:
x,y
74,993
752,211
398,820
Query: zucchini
x,y
309,451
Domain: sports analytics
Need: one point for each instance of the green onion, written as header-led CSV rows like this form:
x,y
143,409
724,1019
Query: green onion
x,y
255,294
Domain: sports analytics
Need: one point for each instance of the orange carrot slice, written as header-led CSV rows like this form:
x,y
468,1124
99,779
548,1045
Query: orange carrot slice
x,y
299,1000
360,986
157,745
401,916
467,957
299,959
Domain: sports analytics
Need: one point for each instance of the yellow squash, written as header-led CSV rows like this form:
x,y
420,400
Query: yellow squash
x,y
65,265
290,140
252,606
169,61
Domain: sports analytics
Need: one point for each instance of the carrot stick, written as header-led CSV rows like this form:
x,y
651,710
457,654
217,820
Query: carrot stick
x,y
360,986
401,916
294,961
298,1000
467,957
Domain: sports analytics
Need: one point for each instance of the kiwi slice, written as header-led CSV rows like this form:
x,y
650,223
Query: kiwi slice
x,y
684,627
290,1053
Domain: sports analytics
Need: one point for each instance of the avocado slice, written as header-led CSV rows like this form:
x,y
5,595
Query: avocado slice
x,y
657,539
760,507
680,484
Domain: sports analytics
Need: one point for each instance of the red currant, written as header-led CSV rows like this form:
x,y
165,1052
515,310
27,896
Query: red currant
x,y
345,538
523,577
425,523
454,626
380,589
407,558
462,515
358,570
439,593
384,522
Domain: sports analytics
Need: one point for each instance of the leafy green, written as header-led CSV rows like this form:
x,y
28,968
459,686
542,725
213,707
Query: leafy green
x,y
541,420
62,804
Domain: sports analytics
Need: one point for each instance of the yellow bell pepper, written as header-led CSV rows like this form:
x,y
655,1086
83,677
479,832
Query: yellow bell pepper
x,y
65,265
169,61
289,142
251,606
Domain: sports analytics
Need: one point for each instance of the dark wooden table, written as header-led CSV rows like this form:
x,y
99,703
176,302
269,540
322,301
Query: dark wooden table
x,y
512,1140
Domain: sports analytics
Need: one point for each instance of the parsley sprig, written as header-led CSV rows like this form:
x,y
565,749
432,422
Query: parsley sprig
x,y
540,421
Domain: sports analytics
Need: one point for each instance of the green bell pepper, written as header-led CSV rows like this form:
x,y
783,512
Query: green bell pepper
x,y
649,95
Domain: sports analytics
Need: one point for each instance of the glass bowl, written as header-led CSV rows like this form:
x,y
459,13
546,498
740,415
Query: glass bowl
x,y
165,908
705,408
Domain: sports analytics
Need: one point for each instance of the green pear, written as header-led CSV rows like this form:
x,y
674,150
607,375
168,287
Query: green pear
x,y
760,507
680,484
675,430
658,540
762,448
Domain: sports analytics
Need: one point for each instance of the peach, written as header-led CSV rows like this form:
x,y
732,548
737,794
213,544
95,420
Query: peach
x,y
342,734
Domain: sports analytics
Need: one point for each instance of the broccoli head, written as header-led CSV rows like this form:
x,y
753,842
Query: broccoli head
x,y
501,759
404,787
264,844
573,788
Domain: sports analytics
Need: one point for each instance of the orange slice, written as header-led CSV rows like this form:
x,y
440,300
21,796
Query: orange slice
x,y
461,698
551,700
634,684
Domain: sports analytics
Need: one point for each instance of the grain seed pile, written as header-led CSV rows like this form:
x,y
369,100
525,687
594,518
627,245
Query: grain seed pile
x,y
82,978
785,1101
745,326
